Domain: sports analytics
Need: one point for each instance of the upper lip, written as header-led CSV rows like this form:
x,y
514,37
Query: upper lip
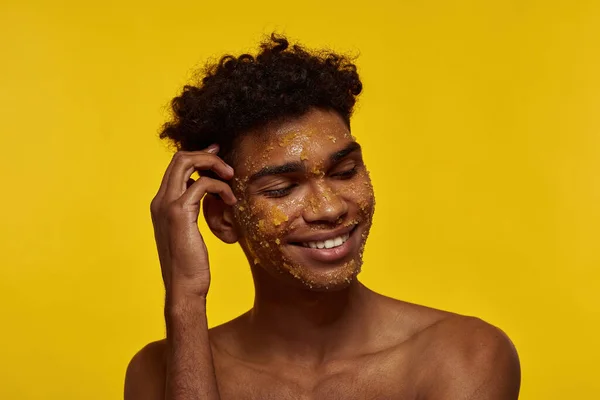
x,y
322,236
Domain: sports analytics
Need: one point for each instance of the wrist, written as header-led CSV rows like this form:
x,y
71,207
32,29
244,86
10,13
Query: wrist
x,y
182,301
187,285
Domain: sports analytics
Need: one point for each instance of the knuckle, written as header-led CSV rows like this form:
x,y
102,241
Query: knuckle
x,y
180,156
213,158
202,181
221,161
155,205
173,212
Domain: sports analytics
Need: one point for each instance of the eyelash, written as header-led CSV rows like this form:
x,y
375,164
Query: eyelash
x,y
280,192
285,191
347,174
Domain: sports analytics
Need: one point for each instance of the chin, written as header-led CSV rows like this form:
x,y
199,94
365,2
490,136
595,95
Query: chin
x,y
334,279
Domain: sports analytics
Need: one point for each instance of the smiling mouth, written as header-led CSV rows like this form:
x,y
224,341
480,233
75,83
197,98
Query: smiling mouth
x,y
328,243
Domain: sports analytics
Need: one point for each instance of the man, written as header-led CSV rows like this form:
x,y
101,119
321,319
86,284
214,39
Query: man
x,y
270,137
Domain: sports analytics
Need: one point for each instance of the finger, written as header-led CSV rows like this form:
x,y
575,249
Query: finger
x,y
190,182
163,183
213,149
186,164
208,185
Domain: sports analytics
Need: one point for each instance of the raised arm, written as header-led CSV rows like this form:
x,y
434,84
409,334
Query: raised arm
x,y
189,370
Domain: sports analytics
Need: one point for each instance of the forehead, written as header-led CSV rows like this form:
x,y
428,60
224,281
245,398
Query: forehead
x,y
310,137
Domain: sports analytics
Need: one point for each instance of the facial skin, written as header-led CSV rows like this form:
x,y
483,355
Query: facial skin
x,y
298,181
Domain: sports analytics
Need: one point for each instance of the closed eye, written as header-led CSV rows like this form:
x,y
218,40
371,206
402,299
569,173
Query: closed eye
x,y
346,174
275,193
280,192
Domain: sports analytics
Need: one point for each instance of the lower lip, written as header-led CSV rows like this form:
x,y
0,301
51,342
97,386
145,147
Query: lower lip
x,y
330,255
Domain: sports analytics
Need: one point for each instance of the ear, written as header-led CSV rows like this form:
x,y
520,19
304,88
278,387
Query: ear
x,y
219,217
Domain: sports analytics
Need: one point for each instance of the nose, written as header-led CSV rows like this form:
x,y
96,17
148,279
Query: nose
x,y
324,205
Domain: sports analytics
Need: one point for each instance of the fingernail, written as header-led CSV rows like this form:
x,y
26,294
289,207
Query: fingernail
x,y
213,148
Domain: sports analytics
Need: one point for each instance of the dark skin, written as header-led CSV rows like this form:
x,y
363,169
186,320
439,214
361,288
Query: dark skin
x,y
315,332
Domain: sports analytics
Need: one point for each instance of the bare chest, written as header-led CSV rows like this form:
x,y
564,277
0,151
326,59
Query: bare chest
x,y
372,377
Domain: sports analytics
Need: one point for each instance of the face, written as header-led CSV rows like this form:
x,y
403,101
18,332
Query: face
x,y
306,200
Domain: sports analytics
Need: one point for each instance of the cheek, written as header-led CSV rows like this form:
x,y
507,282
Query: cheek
x,y
360,191
367,197
366,192
264,225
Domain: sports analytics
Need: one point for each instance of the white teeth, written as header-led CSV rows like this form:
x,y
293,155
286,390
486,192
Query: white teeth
x,y
329,243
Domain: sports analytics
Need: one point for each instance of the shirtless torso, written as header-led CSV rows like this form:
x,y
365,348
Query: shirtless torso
x,y
415,352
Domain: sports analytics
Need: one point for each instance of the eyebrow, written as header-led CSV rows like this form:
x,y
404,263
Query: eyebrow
x,y
298,166
287,168
338,156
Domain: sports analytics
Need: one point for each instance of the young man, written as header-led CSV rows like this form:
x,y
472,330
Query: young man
x,y
270,136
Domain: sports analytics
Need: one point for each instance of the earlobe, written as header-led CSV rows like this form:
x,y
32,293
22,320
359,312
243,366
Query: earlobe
x,y
219,218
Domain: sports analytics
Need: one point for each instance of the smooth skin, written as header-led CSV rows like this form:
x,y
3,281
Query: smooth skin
x,y
315,332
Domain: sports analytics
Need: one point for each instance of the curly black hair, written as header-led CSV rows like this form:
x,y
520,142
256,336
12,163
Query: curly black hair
x,y
242,93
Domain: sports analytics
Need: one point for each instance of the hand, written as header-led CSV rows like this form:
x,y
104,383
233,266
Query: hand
x,y
175,210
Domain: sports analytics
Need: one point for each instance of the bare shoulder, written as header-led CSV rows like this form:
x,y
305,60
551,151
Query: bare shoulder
x,y
145,376
407,320
455,356
466,357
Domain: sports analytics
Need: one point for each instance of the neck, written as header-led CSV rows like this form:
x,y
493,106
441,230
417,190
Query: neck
x,y
300,324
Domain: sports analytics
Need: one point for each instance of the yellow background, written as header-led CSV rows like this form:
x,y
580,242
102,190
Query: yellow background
x,y
480,122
